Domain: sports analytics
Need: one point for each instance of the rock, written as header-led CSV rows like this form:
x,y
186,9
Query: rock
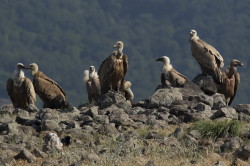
x,y
50,125
6,160
179,110
164,97
219,101
85,119
206,84
93,111
239,162
219,163
110,98
178,133
109,130
154,135
150,163
25,155
230,145
27,122
227,112
101,119
203,107
244,117
125,105
139,118
172,141
243,108
120,118
195,134
52,141
243,152
91,157
38,153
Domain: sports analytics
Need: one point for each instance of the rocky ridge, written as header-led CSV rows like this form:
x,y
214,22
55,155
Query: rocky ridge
x,y
106,132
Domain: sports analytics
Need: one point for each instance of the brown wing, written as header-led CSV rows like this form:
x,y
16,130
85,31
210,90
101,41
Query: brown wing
x,y
29,91
125,64
49,91
163,80
237,82
213,51
52,82
105,73
9,86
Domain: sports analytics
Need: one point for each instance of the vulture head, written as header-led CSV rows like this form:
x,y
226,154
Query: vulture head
x,y
235,63
119,45
193,34
91,71
33,67
164,59
19,66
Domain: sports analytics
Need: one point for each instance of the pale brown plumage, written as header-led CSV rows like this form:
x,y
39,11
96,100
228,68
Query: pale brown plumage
x,y
92,82
113,70
207,56
47,89
169,76
126,90
20,89
231,81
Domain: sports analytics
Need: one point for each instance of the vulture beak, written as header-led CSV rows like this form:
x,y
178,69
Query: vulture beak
x,y
27,67
115,46
241,64
159,59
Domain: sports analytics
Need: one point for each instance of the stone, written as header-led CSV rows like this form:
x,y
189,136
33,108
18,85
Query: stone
x,y
219,101
164,97
243,152
27,122
91,157
52,141
243,108
25,155
120,118
38,153
206,84
203,107
227,112
179,110
50,125
110,98
230,145
93,111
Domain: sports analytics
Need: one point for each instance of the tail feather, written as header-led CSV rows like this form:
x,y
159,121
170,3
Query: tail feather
x,y
85,76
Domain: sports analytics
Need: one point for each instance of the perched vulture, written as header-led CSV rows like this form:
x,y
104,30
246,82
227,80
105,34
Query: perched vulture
x,y
169,76
231,81
113,70
20,89
207,56
92,83
47,89
126,90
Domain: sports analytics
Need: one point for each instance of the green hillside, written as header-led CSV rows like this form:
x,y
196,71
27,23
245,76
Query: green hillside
x,y
65,37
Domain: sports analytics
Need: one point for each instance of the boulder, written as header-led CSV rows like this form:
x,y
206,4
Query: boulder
x,y
164,97
110,98
225,112
25,155
243,108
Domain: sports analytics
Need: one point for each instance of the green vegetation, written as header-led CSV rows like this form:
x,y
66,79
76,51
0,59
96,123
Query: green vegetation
x,y
217,129
65,37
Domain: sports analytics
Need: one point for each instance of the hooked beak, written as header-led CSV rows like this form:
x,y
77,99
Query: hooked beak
x,y
115,46
159,59
241,64
27,67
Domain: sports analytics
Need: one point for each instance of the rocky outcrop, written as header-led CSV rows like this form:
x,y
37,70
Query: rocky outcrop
x,y
113,116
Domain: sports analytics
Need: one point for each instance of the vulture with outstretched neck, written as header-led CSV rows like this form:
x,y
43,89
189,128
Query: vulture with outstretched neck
x,y
113,70
231,81
20,89
47,89
169,76
92,83
207,56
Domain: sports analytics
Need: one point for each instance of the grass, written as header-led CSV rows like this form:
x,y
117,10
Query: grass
x,y
217,129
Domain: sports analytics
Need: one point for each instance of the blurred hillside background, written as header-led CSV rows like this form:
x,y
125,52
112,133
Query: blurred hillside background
x,y
65,37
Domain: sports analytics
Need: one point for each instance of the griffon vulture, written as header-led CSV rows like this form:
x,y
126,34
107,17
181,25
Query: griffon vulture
x,y
126,90
207,56
47,89
113,70
169,76
231,81
92,83
20,89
